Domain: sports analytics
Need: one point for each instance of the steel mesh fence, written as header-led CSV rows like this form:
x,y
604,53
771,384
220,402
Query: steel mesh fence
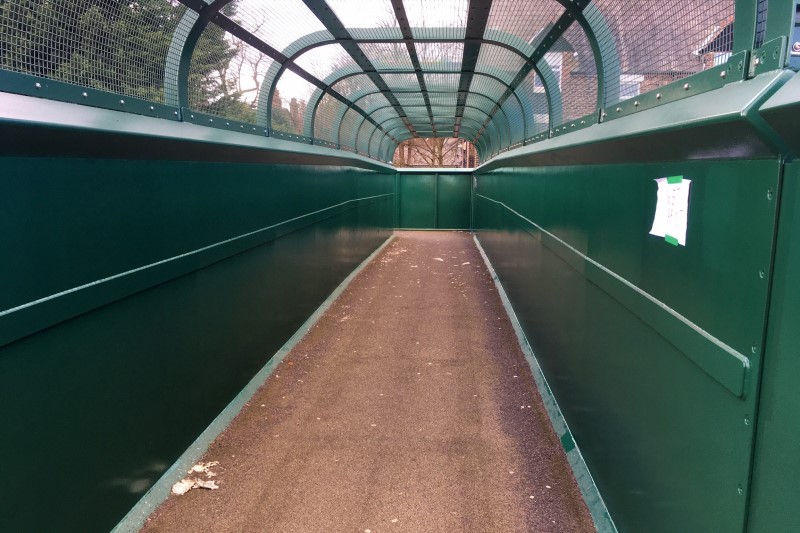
x,y
109,45
225,76
661,42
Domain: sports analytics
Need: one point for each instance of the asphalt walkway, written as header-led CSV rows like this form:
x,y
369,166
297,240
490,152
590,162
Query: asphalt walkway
x,y
408,407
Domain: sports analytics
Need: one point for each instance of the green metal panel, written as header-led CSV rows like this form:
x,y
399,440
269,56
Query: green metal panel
x,y
417,201
641,340
776,484
453,201
139,297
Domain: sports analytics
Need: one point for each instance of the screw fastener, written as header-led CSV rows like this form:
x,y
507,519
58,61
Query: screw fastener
x,y
723,74
658,96
38,85
686,87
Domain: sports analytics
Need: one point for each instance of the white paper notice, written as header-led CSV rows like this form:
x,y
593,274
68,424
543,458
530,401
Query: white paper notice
x,y
672,210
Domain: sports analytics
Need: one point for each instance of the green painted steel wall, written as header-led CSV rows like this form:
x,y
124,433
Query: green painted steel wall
x,y
631,331
434,201
192,275
776,483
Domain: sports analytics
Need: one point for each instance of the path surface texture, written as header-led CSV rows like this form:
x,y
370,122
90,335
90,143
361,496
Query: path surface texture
x,y
408,407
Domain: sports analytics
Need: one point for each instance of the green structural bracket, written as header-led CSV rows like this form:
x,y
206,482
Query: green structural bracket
x,y
724,364
702,82
673,180
575,125
771,56
29,85
213,121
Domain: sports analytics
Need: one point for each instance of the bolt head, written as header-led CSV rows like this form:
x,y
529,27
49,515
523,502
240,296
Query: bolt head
x,y
723,74
122,102
757,61
658,96
686,87
38,85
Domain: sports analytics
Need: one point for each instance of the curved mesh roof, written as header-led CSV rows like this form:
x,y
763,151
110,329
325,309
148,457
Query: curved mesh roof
x,y
363,76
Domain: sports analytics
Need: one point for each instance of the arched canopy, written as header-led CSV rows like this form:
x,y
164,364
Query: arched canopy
x,y
363,76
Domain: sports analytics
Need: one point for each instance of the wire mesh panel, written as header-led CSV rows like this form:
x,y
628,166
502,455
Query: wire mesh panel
x,y
534,103
443,99
487,86
225,76
362,138
442,82
410,99
326,124
375,143
521,24
499,62
104,44
437,19
348,129
367,20
440,56
516,119
387,56
572,61
480,101
660,42
354,87
383,114
401,82
373,101
289,103
286,25
327,62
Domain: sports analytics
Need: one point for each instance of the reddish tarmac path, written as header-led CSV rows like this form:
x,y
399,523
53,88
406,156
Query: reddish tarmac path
x,y
408,407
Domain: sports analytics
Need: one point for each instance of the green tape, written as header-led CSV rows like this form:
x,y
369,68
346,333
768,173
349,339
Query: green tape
x,y
672,240
567,442
674,179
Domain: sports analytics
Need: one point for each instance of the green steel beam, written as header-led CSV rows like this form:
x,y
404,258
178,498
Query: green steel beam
x,y
477,18
408,36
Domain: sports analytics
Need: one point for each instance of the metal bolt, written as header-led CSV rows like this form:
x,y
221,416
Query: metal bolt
x,y
754,348
723,74
191,116
175,113
762,274
746,420
122,102
770,194
619,109
757,61
227,123
658,96
740,489
583,122
211,120
85,95
572,125
38,85
686,87
636,103
152,108
604,115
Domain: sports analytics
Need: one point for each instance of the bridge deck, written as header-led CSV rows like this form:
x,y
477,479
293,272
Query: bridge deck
x,y
407,407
